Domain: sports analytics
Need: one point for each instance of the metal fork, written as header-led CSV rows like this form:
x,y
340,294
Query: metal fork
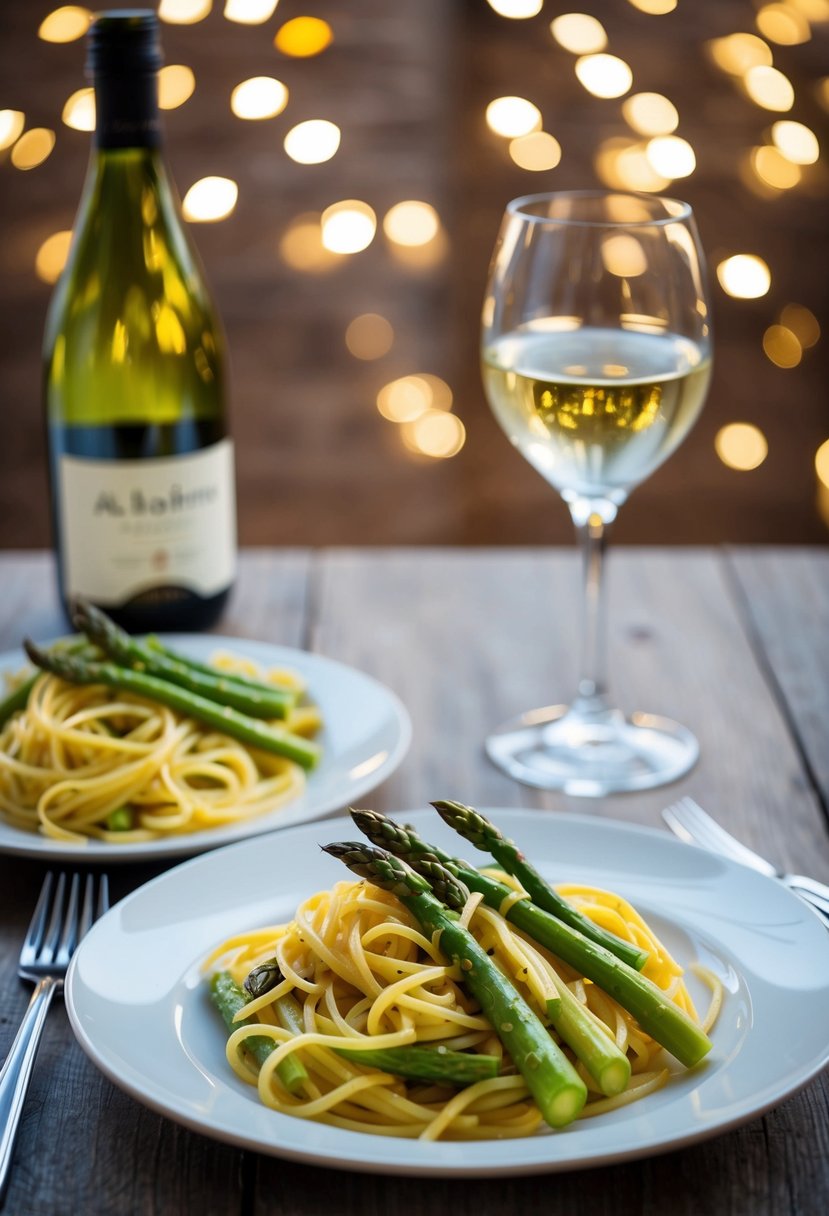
x,y
58,924
691,823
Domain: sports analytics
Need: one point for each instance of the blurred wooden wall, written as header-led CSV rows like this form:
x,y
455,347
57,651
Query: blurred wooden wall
x,y
408,84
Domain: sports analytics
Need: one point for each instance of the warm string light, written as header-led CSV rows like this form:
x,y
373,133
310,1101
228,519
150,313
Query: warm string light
x,y
512,117
51,256
537,152
517,10
604,75
32,148
65,24
744,276
312,142
579,33
348,226
12,123
210,199
184,12
741,446
258,98
369,336
250,12
303,37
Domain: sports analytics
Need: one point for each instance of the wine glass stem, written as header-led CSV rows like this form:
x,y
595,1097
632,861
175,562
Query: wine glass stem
x,y
592,518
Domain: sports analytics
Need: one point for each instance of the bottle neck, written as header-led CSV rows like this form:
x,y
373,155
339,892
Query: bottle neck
x,y
126,111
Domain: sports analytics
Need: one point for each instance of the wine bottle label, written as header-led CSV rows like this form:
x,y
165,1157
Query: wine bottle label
x,y
130,525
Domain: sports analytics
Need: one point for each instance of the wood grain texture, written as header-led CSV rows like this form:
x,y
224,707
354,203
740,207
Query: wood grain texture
x,y
467,639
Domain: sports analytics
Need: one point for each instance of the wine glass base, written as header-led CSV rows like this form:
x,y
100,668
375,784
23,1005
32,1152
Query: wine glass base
x,y
556,749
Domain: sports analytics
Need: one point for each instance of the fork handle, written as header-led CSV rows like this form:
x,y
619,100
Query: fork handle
x,y
17,1071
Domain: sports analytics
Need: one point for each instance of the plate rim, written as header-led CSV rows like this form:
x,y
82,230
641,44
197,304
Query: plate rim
x,y
191,845
367,1163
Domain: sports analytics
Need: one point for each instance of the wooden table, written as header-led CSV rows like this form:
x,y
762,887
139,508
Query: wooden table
x,y
733,643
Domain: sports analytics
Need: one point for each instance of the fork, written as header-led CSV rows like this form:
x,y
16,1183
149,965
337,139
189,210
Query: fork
x,y
691,823
53,934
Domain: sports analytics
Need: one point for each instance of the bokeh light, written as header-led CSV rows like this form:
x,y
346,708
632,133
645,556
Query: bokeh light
x,y
517,10
79,110
512,116
623,255
348,226
797,142
822,463
783,24
622,164
658,8
51,256
737,53
312,142
741,446
434,433
32,148
604,75
579,33
12,123
744,276
769,88
650,114
537,151
302,37
405,399
671,156
259,97
772,168
411,223
782,346
301,246
65,24
176,84
369,336
250,12
210,199
802,322
184,12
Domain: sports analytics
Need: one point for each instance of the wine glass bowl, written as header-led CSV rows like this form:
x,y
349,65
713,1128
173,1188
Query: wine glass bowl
x,y
596,358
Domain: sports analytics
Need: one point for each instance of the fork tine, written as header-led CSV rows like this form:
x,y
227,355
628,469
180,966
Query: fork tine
x,y
47,951
34,934
69,938
103,897
87,915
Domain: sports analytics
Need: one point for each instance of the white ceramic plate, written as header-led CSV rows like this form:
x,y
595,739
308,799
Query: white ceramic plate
x,y
140,1010
366,733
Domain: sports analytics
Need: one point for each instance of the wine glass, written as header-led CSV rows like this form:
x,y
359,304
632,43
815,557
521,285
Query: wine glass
x,y
596,357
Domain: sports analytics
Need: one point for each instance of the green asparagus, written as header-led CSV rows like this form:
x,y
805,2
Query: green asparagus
x,y
17,699
658,1016
557,1088
270,738
470,824
229,999
257,701
607,1065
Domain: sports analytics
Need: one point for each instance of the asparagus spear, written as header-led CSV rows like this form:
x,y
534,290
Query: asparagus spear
x,y
608,1066
16,700
470,824
155,644
269,738
229,998
557,1088
659,1017
256,701
434,1064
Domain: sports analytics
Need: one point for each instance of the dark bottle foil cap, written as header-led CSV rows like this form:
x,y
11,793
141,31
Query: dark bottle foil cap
x,y
123,42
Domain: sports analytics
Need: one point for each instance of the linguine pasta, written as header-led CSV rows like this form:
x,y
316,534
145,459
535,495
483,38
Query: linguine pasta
x,y
78,756
366,977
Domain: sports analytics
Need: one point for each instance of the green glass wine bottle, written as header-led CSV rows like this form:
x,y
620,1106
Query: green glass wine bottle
x,y
141,465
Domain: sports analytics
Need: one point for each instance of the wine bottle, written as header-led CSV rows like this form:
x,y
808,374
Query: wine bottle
x,y
141,466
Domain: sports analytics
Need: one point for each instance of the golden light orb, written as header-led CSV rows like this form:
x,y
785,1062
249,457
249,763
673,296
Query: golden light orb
x,y
783,24
744,276
671,156
650,114
12,123
769,88
258,98
369,336
302,37
176,84
79,110
51,256
411,223
184,12
210,199
741,446
603,75
65,24
312,142
348,226
435,434
797,142
782,346
537,151
802,322
32,148
579,33
512,117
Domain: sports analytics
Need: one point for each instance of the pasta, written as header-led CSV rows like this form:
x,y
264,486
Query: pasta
x,y
85,761
366,977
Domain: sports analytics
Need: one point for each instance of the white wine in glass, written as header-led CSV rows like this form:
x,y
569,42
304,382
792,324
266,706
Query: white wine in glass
x,y
596,357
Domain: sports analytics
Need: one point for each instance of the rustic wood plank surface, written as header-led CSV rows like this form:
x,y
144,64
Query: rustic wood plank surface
x,y
734,645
